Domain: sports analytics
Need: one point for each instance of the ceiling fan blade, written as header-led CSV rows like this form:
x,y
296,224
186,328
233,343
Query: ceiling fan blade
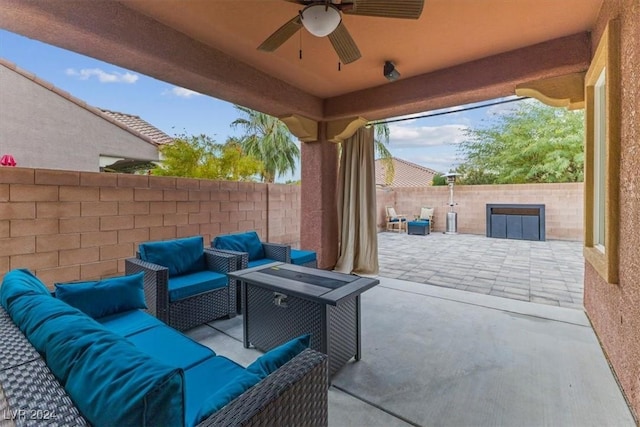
x,y
344,45
281,35
407,9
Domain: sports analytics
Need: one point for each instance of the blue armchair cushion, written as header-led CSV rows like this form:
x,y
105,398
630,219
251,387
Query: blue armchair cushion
x,y
238,385
299,257
258,262
278,356
205,379
20,282
397,219
104,297
180,256
171,347
242,242
187,285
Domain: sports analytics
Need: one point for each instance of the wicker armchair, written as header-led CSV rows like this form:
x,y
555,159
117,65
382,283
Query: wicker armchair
x,y
295,394
186,313
272,252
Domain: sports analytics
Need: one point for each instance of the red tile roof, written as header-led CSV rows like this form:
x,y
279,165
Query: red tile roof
x,y
140,126
406,174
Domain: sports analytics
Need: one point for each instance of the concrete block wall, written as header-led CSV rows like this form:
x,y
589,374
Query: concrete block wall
x,y
563,205
68,225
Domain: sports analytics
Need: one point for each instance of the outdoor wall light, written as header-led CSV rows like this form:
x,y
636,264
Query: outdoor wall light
x,y
390,72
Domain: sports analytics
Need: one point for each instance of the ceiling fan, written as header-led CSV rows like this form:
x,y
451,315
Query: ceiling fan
x,y
324,18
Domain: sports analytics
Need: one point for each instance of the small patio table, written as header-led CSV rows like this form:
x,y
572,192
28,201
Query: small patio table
x,y
282,301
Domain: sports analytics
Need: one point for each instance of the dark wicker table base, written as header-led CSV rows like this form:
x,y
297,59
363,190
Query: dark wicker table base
x,y
335,330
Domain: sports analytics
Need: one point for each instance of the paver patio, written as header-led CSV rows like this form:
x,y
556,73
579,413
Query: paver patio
x,y
550,272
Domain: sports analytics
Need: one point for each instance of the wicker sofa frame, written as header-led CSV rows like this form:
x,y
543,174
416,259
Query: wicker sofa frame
x,y
192,311
295,394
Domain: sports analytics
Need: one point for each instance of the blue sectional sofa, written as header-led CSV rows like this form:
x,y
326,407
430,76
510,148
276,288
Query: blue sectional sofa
x,y
89,354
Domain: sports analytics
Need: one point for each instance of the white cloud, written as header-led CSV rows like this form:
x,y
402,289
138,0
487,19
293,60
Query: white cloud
x,y
102,76
181,92
426,136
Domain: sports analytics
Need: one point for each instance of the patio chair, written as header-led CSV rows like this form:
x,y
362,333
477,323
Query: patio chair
x,y
395,221
427,213
184,285
249,251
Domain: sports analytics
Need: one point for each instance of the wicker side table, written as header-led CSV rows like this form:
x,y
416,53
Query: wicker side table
x,y
281,307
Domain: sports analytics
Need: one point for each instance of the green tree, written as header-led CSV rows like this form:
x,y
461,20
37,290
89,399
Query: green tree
x,y
439,179
533,144
267,139
199,156
380,141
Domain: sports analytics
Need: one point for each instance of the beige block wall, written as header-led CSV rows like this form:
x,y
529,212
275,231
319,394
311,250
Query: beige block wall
x,y
67,225
563,205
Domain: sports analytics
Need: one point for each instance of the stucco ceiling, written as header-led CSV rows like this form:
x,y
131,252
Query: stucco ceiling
x,y
449,32
459,51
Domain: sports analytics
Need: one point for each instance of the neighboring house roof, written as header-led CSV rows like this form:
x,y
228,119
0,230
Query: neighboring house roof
x,y
406,174
139,125
10,65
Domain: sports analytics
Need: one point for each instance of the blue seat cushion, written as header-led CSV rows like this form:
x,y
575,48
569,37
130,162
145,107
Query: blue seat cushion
x,y
242,242
171,347
129,322
104,297
299,257
397,219
180,256
226,394
419,223
258,262
205,379
278,356
20,282
187,285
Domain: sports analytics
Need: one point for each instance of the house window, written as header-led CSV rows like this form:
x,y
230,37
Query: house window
x,y
602,90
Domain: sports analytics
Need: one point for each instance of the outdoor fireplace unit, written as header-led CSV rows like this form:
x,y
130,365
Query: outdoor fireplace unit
x,y
522,222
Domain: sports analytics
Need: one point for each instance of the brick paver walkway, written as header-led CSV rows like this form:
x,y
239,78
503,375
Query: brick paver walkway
x,y
550,272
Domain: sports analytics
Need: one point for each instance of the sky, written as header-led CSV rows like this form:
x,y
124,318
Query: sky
x,y
430,142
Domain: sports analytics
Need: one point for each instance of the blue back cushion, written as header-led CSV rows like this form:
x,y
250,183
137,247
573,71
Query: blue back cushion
x,y
20,282
242,242
278,356
104,297
180,256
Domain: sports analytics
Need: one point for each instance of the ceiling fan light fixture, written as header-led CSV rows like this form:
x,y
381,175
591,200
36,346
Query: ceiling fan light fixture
x,y
321,19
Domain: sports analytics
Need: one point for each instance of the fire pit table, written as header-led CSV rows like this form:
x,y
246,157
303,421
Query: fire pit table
x,y
282,301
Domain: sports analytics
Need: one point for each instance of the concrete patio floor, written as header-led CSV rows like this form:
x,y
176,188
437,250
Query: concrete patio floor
x,y
550,272
433,356
479,332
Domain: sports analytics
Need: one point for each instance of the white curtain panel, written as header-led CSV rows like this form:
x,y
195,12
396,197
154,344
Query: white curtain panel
x,y
357,217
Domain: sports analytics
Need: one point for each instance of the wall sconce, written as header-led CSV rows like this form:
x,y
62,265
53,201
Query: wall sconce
x,y
390,72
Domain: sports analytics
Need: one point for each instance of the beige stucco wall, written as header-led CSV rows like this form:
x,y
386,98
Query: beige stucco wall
x,y
42,129
563,205
614,309
80,225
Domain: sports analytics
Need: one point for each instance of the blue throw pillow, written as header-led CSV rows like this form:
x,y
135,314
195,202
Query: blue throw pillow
x,y
180,256
276,357
17,283
104,297
219,399
242,242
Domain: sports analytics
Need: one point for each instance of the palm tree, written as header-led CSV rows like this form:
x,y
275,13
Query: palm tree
x,y
267,139
380,141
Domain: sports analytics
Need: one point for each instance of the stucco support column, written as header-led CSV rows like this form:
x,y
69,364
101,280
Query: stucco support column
x,y
319,217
